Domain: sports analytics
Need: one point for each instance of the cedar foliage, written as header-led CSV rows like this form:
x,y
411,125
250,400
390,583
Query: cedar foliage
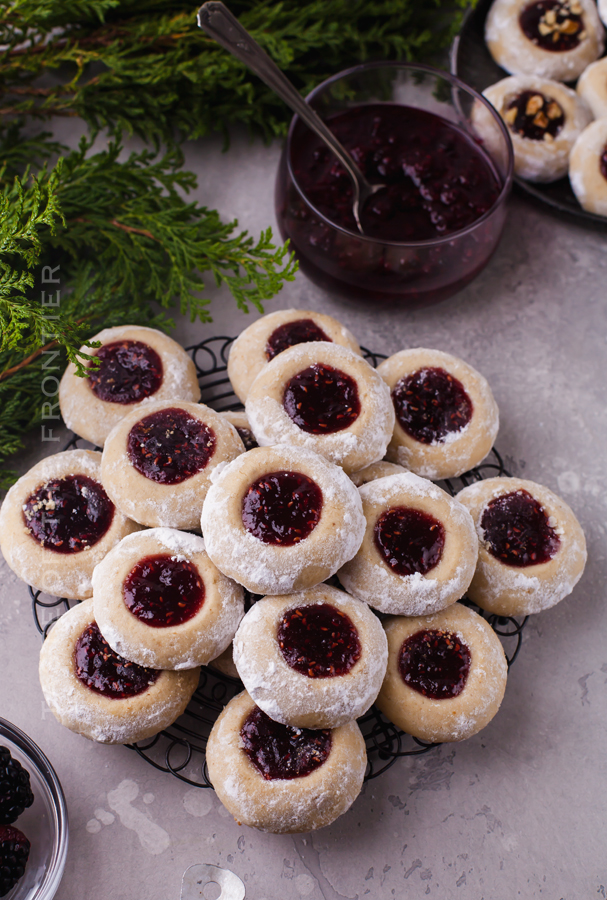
x,y
122,230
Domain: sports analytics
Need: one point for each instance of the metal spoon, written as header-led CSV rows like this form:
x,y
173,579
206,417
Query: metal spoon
x,y
219,23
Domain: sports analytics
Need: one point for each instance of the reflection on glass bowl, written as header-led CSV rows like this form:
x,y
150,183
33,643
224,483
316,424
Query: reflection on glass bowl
x,y
412,272
45,823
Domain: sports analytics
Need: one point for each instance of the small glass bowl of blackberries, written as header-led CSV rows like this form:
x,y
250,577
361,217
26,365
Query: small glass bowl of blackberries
x,y
33,819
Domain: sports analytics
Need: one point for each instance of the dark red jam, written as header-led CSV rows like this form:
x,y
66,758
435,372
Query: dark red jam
x,y
247,437
302,331
603,163
533,116
409,540
321,400
282,508
553,24
435,664
437,179
128,372
105,672
430,404
162,591
68,514
319,641
517,530
281,751
170,445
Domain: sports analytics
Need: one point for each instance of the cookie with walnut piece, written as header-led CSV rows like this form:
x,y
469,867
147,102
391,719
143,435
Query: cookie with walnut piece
x,y
272,334
281,779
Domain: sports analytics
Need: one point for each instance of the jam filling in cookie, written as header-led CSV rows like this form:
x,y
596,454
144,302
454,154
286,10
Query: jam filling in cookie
x,y
105,672
281,751
282,508
553,24
322,400
68,514
128,372
435,664
163,591
430,404
302,331
534,116
409,540
319,641
170,445
518,531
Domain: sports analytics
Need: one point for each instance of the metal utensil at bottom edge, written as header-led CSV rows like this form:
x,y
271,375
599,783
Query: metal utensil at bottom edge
x,y
196,878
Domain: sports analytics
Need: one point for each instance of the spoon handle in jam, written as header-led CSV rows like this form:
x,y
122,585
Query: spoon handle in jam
x,y
218,22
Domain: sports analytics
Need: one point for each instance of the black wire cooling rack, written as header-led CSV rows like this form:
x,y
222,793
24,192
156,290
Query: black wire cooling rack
x,y
181,749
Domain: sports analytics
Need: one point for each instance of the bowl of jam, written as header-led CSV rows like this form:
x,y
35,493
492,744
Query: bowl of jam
x,y
439,217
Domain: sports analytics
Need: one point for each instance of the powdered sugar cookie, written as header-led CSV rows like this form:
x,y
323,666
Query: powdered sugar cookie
x,y
281,779
160,601
157,462
588,167
272,334
419,551
544,119
325,398
602,5
380,469
238,418
281,519
592,88
57,522
94,692
550,38
446,674
446,417
137,365
532,548
315,659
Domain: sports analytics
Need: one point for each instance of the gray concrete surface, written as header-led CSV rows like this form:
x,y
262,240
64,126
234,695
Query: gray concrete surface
x,y
519,810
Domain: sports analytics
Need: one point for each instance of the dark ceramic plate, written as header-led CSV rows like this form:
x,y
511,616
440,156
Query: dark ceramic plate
x,y
472,62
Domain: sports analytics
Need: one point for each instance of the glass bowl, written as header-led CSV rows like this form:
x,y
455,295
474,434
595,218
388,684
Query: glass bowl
x,y
413,273
45,823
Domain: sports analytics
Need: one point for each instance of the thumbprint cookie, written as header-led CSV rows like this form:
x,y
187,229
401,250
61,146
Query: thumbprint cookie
x,y
57,522
325,398
160,602
157,462
238,418
282,779
97,693
446,417
281,519
532,548
314,659
446,674
592,88
380,469
132,366
588,167
272,334
419,551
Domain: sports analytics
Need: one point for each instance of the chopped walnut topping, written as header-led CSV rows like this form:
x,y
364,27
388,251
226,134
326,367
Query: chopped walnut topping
x,y
510,115
534,104
569,27
540,120
554,110
548,137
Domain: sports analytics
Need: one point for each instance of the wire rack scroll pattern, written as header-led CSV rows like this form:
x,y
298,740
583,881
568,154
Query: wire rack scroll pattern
x,y
181,749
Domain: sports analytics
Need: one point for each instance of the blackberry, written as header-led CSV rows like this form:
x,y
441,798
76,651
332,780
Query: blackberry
x,y
14,852
15,791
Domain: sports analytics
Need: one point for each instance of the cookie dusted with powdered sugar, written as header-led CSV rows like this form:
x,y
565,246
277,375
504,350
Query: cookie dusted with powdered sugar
x,y
99,694
281,519
446,416
532,550
135,365
57,523
160,601
281,779
325,398
588,167
446,674
419,551
554,39
272,334
314,659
